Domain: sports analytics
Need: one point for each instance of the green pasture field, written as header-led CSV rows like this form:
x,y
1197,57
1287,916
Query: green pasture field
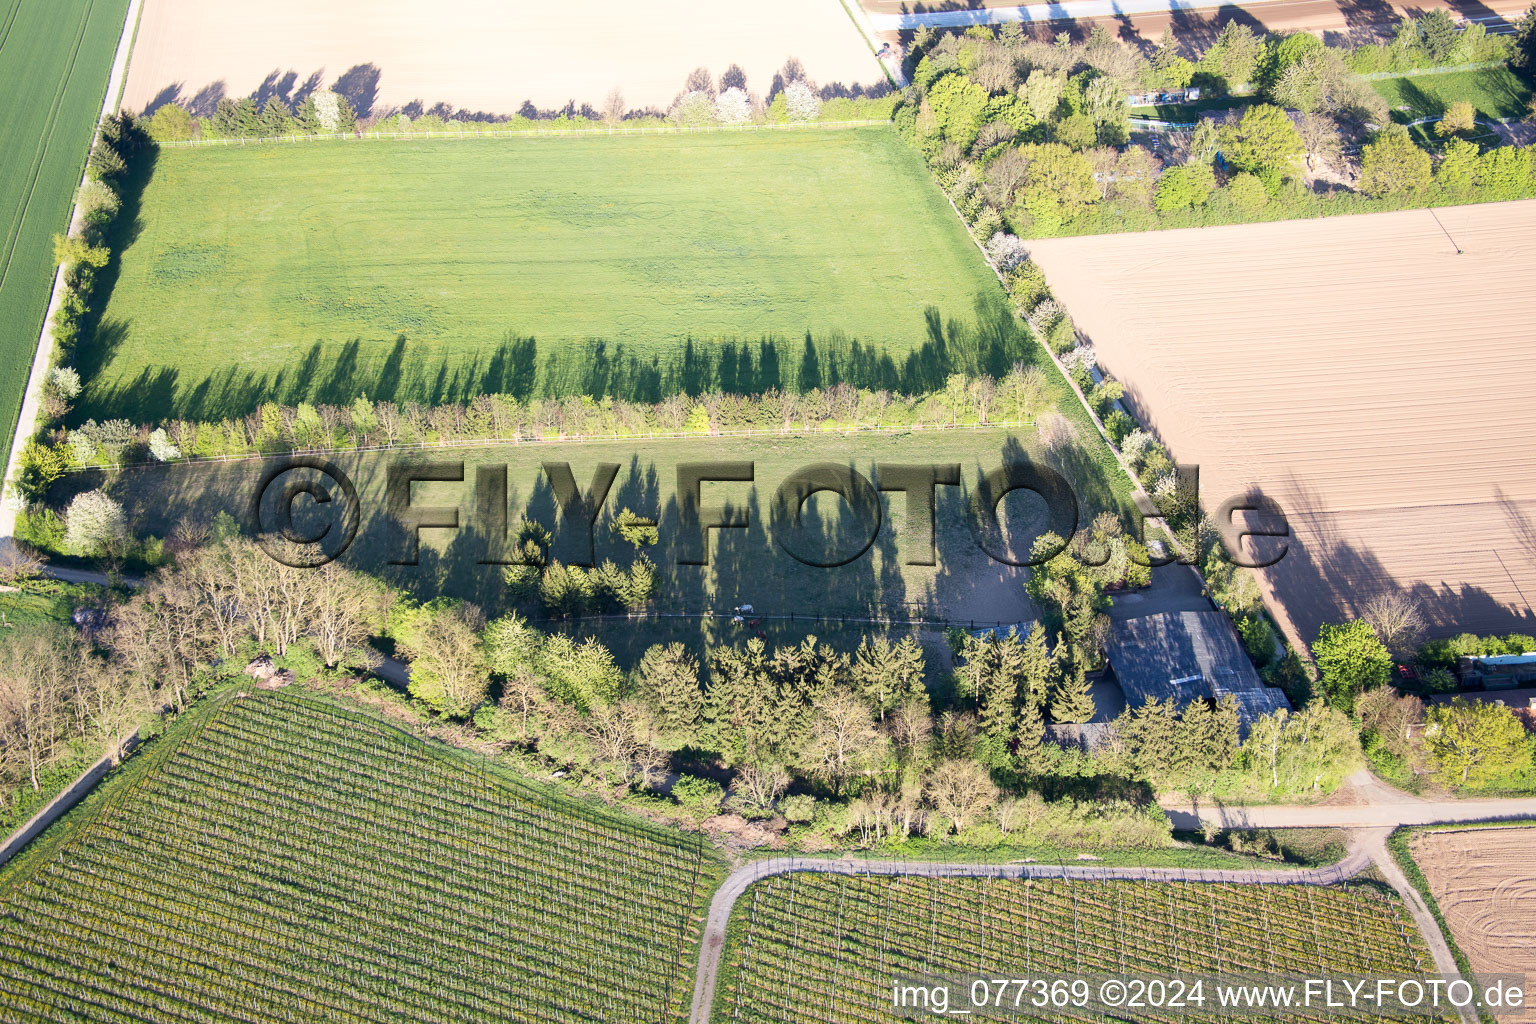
x,y
55,56
1495,92
803,947
418,271
746,566
278,856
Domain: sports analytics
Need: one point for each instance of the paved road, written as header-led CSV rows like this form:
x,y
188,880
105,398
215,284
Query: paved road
x,y
713,944
1417,812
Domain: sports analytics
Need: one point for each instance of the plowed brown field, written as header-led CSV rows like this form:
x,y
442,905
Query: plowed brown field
x,y
1377,383
488,55
1485,882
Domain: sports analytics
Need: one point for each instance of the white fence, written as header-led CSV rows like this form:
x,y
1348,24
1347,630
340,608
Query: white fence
x,y
505,133
1154,125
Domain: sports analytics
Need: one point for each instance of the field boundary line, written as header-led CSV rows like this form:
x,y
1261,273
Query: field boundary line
x,y
488,442
507,133
712,947
42,359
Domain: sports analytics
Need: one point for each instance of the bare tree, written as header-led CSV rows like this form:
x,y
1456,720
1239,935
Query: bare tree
x,y
761,784
1320,136
960,789
911,726
36,664
348,609
843,738
18,564
1397,620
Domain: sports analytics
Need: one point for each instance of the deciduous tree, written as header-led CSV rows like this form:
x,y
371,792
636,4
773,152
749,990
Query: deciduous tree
x,y
1475,742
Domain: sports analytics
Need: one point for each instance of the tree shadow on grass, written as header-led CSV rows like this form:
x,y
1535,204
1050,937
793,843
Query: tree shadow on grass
x,y
990,340
100,338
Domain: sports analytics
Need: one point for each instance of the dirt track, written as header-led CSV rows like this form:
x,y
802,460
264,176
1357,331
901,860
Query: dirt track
x,y
1485,883
1357,369
488,55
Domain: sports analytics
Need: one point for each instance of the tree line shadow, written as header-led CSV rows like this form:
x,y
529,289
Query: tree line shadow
x,y
991,342
746,565
1326,577
359,85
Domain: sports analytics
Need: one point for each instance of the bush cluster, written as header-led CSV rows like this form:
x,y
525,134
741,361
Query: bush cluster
x,y
1021,396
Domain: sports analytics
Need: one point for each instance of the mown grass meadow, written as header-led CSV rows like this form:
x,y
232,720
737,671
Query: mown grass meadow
x,y
419,271
1497,93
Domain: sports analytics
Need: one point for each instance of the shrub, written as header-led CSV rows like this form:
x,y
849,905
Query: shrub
x,y
1258,638
40,527
1119,426
1247,193
799,809
701,796
97,202
1459,117
1184,187
171,123
1393,164
695,108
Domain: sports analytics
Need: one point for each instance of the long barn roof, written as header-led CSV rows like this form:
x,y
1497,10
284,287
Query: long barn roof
x,y
1185,655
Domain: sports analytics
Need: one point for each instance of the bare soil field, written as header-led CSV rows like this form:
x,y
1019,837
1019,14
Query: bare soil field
x,y
483,55
1485,882
1361,372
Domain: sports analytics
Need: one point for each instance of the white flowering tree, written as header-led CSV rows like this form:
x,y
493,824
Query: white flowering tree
x,y
82,447
1135,446
1007,252
1044,316
328,110
161,447
64,382
733,106
801,102
1080,358
93,522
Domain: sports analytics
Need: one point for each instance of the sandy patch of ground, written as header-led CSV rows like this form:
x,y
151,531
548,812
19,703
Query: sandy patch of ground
x,y
486,55
1360,371
1485,883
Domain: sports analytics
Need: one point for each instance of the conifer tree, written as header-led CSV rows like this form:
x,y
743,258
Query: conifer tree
x,y
1072,703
